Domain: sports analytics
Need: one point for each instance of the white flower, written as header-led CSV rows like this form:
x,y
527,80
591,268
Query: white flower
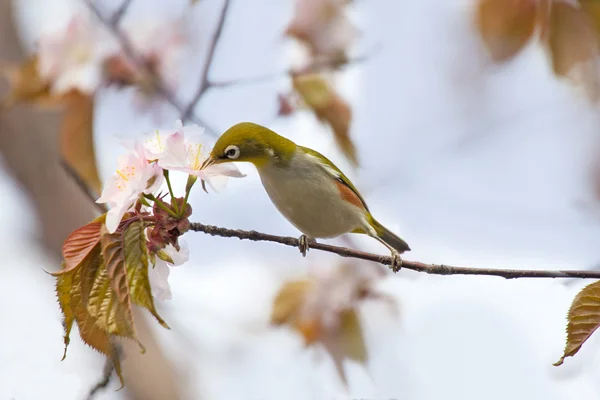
x,y
185,149
135,176
73,57
159,274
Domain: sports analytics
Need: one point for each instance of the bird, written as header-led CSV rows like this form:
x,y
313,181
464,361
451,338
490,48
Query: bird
x,y
305,187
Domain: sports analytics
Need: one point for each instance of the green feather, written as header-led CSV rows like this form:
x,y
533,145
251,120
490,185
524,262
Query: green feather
x,y
341,177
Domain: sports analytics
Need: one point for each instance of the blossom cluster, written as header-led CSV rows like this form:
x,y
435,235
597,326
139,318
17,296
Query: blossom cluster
x,y
84,55
139,180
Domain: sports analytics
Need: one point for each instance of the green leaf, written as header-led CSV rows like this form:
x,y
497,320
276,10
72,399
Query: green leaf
x,y
584,319
136,262
90,333
111,287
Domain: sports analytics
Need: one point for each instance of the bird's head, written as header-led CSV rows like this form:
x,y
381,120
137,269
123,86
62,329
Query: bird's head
x,y
253,143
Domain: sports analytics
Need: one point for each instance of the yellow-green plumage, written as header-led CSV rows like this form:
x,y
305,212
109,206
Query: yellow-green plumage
x,y
306,187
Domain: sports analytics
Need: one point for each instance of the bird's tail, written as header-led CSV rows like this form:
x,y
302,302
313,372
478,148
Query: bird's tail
x,y
389,237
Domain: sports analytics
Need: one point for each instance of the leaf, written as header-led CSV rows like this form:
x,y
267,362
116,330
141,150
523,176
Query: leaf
x,y
90,333
288,301
136,262
506,26
80,242
329,107
26,85
571,37
584,319
592,9
351,337
104,306
309,307
348,342
107,272
63,292
77,139
111,288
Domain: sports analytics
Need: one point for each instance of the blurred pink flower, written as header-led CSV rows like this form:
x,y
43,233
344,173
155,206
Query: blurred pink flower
x,y
73,58
134,176
161,44
159,273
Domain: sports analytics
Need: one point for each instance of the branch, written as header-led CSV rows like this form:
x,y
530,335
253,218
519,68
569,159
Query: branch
x,y
204,85
436,269
120,13
314,67
82,184
139,62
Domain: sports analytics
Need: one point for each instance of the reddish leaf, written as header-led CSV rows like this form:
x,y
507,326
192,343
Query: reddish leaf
x,y
80,242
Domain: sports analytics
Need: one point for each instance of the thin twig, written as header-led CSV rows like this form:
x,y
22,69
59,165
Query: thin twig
x,y
85,188
120,13
139,63
436,269
314,67
106,378
204,85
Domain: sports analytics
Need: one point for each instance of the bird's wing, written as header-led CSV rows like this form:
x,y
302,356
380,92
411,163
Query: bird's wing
x,y
338,175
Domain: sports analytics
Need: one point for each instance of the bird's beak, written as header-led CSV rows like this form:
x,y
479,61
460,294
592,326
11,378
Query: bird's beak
x,y
208,162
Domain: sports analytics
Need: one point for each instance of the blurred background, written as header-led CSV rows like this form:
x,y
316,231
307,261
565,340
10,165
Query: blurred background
x,y
471,129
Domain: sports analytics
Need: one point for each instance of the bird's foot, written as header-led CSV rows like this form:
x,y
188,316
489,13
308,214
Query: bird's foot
x,y
396,264
303,244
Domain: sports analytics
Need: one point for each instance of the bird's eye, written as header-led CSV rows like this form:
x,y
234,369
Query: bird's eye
x,y
232,152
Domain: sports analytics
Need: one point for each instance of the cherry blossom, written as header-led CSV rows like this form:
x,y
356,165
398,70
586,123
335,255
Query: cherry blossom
x,y
159,273
185,149
134,176
72,58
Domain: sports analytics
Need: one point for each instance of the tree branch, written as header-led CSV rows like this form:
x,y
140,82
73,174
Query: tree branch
x,y
82,184
120,13
139,62
436,269
314,67
204,85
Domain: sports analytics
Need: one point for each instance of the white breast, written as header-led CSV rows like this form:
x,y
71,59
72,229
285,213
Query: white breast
x,y
306,194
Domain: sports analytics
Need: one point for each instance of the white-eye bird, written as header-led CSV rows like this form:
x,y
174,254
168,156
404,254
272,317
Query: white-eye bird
x,y
307,188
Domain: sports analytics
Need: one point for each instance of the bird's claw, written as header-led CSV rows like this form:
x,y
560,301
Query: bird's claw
x,y
303,244
396,263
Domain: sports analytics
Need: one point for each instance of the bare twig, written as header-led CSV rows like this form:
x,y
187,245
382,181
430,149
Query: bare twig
x,y
314,67
139,62
106,377
120,13
204,85
436,269
85,188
